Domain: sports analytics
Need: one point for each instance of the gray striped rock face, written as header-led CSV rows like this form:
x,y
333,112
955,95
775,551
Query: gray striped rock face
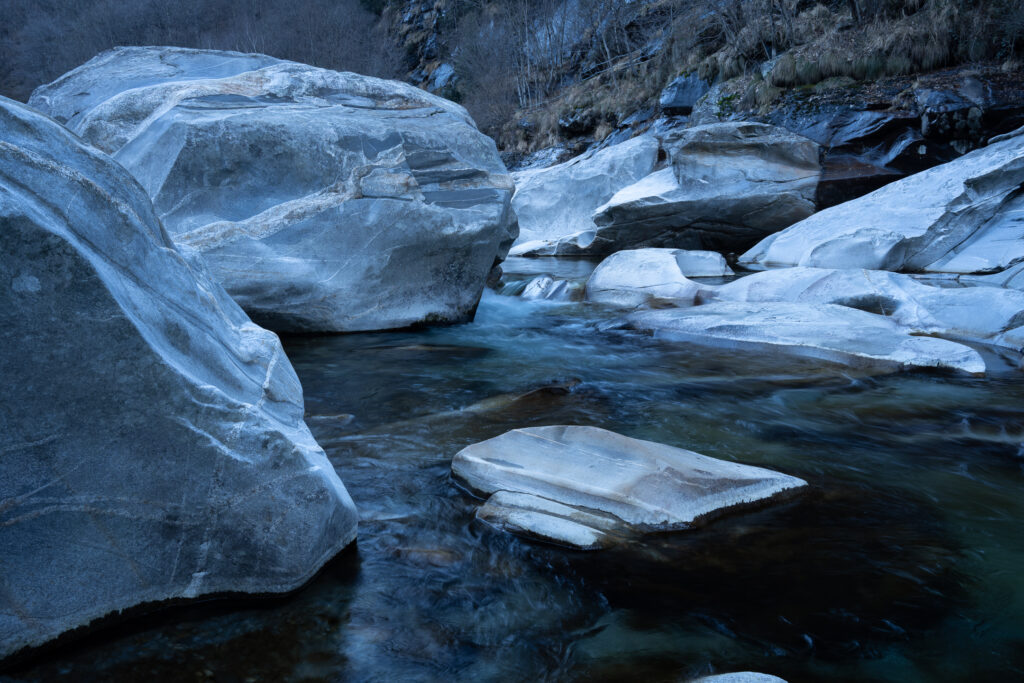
x,y
322,201
730,184
589,488
153,445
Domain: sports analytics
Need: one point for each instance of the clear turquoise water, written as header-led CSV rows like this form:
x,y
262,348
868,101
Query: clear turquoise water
x,y
905,562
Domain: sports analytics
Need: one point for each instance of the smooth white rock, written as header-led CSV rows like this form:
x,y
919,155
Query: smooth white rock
x,y
971,313
547,520
740,677
545,287
964,216
824,331
321,200
647,486
1012,278
729,185
577,244
638,277
558,201
699,263
153,440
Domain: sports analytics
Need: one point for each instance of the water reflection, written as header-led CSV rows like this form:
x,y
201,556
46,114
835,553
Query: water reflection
x,y
901,564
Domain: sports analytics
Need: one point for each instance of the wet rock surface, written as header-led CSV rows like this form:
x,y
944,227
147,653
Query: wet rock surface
x,y
981,313
837,334
321,200
154,446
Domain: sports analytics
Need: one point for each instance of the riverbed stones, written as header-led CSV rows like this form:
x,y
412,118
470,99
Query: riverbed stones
x,y
586,487
321,200
729,185
557,203
153,442
637,277
966,216
837,334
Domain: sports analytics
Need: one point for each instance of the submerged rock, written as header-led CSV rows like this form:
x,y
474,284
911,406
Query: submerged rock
x,y
639,277
837,334
322,201
729,185
153,440
966,216
558,202
586,487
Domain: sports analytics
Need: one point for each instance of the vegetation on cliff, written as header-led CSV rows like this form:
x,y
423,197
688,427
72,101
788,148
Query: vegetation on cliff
x,y
538,72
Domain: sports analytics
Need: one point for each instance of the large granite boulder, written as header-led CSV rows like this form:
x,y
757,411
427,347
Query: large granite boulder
x,y
980,313
838,334
153,445
637,277
556,204
729,185
966,216
589,488
322,201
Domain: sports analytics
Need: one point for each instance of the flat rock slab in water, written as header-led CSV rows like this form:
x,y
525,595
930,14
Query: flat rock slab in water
x,y
740,677
586,487
837,334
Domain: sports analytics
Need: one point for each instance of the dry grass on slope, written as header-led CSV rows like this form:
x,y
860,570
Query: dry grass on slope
x,y
794,42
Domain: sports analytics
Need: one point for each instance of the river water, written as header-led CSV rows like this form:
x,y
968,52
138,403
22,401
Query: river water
x,y
904,561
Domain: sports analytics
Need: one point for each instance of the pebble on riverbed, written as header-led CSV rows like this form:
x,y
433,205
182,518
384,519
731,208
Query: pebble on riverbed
x,y
589,488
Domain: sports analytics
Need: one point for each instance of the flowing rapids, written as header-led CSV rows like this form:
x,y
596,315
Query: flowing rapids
x,y
902,563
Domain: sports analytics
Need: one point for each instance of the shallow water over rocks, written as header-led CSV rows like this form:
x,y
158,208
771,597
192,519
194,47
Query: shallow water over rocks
x,y
901,563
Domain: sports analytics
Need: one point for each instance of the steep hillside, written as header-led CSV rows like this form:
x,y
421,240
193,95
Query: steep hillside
x,y
571,73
